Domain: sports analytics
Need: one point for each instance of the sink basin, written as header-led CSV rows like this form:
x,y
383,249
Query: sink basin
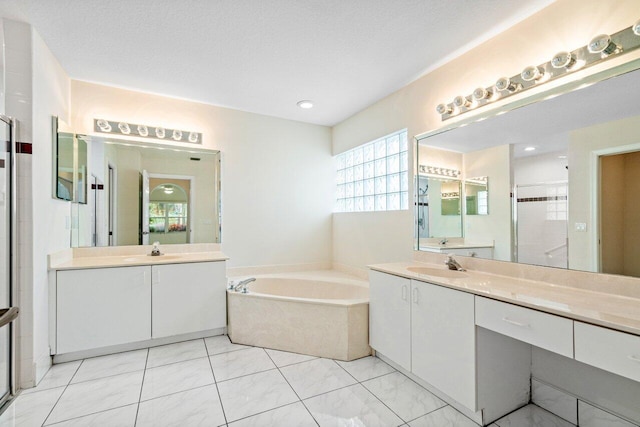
x,y
438,272
146,258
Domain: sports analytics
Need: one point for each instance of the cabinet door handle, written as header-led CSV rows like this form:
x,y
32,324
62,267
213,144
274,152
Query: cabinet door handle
x,y
404,292
513,322
415,295
634,358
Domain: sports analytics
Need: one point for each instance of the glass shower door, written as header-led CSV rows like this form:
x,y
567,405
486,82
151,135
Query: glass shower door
x,y
5,256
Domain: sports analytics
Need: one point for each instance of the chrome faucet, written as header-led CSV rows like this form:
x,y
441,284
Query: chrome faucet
x,y
453,264
156,249
241,286
444,241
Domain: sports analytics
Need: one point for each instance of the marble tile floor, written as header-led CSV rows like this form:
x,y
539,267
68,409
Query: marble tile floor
x,y
212,382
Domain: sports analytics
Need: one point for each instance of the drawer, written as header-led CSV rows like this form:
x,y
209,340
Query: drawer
x,y
613,351
543,330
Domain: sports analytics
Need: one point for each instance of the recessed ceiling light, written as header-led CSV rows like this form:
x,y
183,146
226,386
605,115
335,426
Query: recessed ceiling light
x,y
562,157
306,104
529,148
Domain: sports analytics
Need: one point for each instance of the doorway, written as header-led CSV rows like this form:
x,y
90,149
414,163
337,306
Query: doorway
x,y
619,209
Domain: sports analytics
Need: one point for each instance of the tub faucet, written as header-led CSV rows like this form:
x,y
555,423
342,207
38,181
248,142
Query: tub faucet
x,y
241,286
453,264
444,241
156,249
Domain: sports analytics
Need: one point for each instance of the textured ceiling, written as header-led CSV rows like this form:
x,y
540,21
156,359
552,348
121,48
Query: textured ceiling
x,y
263,56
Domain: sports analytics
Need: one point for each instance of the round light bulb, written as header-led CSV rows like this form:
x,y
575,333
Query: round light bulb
x,y
305,103
193,137
636,28
443,109
602,44
563,60
460,101
104,125
482,93
160,132
124,128
143,130
177,134
505,83
532,73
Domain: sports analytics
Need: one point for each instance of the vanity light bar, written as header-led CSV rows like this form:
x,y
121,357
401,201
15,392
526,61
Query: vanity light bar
x,y
600,48
144,131
435,170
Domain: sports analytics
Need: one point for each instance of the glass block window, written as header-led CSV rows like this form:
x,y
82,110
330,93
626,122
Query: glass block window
x,y
374,176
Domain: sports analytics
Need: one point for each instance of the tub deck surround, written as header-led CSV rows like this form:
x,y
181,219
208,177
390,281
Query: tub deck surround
x,y
620,311
322,313
129,256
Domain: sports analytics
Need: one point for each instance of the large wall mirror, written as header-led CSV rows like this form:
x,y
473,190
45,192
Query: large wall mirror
x,y
142,192
564,175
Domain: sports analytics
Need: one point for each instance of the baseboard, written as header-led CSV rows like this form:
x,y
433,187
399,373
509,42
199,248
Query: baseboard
x,y
78,355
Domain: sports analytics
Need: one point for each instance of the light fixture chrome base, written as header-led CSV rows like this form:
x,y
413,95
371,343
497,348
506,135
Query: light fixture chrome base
x,y
144,131
626,40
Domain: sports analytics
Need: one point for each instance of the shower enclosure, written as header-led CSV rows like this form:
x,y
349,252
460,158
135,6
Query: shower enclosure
x,y
7,270
541,224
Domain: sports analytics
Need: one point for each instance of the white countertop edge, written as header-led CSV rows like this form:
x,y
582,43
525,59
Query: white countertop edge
x,y
83,263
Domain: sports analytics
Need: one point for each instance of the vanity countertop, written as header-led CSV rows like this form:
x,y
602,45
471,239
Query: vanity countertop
x,y
599,308
131,260
446,246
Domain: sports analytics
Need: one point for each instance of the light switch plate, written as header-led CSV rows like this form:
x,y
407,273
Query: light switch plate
x,y
581,226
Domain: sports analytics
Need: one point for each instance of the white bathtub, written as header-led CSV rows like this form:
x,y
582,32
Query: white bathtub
x,y
319,316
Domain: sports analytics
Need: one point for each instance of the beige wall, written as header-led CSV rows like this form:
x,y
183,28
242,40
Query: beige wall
x,y
50,97
565,24
494,163
277,175
584,148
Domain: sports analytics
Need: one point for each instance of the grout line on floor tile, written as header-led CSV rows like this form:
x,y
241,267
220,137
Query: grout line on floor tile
x,y
245,375
224,414
141,388
173,363
61,394
89,414
363,386
294,390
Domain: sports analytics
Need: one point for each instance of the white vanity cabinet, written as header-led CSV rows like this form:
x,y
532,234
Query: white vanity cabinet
x,y
390,317
613,351
428,330
102,307
101,310
187,298
443,340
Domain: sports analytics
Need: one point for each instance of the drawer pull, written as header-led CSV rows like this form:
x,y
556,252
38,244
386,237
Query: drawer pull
x,y
513,322
634,358
404,292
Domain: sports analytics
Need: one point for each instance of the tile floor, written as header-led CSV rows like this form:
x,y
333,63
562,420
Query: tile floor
x,y
212,382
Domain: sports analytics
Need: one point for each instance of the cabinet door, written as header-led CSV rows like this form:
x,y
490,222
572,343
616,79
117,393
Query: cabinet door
x,y
102,307
188,298
390,317
443,340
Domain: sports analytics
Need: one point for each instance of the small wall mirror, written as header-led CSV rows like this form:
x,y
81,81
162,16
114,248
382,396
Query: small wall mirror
x,y
476,194
70,166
